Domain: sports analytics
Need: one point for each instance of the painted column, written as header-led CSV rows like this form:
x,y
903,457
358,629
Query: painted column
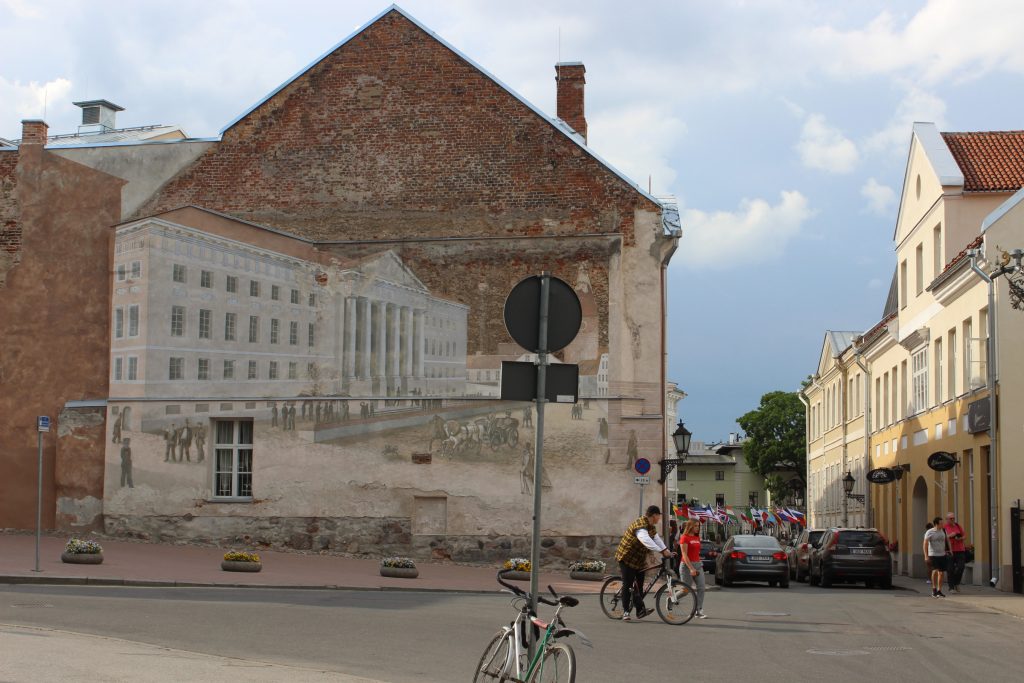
x,y
394,344
350,337
407,345
378,339
417,342
365,331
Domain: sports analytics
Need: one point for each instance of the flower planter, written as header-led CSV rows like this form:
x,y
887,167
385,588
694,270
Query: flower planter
x,y
400,572
82,558
240,566
517,576
587,576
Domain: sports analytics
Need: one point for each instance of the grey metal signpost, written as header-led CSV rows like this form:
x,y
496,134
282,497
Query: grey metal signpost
x,y
529,324
42,425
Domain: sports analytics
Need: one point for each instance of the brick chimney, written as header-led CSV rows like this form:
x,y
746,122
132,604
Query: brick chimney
x,y
570,80
34,132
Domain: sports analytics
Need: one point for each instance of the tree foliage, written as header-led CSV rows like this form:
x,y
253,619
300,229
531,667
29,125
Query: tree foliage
x,y
776,439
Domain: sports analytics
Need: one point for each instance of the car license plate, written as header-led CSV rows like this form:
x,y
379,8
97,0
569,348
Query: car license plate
x,y
760,558
861,551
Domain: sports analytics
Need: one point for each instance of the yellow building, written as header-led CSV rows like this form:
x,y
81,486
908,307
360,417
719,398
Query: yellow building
x,y
919,381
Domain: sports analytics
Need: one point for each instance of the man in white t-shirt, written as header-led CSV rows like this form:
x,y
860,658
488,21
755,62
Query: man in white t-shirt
x,y
936,549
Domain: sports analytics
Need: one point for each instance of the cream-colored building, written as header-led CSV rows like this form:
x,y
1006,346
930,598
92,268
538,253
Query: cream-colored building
x,y
918,382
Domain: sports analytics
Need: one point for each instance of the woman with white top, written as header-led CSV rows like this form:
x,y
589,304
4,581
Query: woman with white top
x,y
936,548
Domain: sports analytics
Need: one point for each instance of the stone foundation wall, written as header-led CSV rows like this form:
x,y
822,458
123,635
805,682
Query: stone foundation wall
x,y
368,537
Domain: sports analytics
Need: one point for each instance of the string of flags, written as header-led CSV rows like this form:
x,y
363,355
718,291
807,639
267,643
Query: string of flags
x,y
724,514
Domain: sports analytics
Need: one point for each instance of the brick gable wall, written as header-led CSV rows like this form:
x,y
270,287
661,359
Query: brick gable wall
x,y
10,227
392,136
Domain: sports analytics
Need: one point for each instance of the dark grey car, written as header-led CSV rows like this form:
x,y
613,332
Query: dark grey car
x,y
752,558
851,556
800,553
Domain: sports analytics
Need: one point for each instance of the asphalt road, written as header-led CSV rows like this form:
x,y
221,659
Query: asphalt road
x,y
753,633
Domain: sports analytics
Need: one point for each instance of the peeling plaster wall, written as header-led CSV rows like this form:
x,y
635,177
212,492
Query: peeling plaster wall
x,y
78,471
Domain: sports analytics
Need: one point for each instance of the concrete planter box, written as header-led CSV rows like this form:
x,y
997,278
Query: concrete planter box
x,y
240,566
82,558
400,572
517,576
587,576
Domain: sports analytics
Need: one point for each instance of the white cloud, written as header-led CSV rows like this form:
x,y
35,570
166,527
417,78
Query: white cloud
x,y
756,232
916,105
825,148
32,100
638,141
880,197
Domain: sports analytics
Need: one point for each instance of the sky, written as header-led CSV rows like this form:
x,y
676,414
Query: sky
x,y
781,126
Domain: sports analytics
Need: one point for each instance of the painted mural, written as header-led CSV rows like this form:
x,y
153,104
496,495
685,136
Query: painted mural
x,y
340,387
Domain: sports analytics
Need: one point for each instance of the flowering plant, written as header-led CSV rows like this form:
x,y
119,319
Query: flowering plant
x,y
519,564
77,546
241,556
398,562
596,566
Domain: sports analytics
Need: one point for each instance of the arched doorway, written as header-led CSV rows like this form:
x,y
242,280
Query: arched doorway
x,y
126,416
919,517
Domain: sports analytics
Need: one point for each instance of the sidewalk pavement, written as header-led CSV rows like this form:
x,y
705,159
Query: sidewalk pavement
x,y
55,655
974,596
151,564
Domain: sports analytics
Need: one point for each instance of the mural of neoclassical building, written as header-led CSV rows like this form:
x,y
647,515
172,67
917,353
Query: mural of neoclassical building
x,y
291,333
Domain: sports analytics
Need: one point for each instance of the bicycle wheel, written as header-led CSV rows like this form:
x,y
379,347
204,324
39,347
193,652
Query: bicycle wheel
x,y
495,660
611,597
678,606
557,666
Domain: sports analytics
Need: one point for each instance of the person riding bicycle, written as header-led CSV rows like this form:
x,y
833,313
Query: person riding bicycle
x,y
640,537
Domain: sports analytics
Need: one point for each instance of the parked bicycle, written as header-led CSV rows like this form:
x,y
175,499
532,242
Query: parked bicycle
x,y
506,658
675,600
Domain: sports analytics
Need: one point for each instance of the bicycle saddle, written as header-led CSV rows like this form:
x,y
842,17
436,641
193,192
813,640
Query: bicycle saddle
x,y
568,601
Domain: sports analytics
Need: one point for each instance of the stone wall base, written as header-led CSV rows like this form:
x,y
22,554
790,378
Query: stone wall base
x,y
359,536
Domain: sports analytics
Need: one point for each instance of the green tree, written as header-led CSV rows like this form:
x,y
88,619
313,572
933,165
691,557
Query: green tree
x,y
776,440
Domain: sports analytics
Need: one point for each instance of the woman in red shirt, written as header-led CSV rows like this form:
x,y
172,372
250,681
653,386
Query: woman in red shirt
x,y
689,546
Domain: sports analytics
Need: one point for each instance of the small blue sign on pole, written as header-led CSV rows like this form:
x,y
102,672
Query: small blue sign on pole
x,y
43,423
642,465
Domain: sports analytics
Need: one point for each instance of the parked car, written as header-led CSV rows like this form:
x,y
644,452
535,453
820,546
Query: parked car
x,y
851,556
799,553
708,555
752,558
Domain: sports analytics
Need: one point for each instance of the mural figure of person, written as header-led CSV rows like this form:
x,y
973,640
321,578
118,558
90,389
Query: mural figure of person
x,y
273,415
126,464
364,410
602,430
528,416
344,411
291,418
371,409
171,440
185,442
200,442
117,430
317,420
632,450
526,473
304,409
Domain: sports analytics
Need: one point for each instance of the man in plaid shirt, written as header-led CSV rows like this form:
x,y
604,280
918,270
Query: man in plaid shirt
x,y
640,537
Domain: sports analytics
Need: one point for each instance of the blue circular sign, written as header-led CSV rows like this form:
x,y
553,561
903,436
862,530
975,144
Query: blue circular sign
x,y
642,465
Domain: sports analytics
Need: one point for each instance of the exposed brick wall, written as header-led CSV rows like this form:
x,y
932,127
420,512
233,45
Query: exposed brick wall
x,y
393,135
10,227
571,82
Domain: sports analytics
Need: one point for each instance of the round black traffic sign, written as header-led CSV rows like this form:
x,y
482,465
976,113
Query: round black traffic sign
x,y
522,314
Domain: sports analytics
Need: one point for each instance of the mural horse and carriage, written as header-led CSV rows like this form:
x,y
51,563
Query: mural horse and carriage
x,y
468,438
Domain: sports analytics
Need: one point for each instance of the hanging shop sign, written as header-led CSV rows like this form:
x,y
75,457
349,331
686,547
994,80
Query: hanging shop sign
x,y
941,461
882,475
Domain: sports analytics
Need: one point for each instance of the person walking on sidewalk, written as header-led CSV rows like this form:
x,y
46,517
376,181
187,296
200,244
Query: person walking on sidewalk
x,y
689,551
955,534
936,549
640,537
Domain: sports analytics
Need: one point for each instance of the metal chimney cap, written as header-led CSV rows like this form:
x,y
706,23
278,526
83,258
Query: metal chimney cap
x,y
98,103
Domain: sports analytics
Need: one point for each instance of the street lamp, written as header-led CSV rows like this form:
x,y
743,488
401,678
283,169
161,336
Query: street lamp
x,y
848,482
681,439
798,492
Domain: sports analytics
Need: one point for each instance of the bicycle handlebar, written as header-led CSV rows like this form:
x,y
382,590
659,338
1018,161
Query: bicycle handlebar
x,y
523,594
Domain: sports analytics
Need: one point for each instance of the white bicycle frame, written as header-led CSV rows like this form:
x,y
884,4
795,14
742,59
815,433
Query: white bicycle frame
x,y
517,661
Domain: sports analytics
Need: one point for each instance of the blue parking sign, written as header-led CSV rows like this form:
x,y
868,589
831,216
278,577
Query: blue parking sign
x,y
43,423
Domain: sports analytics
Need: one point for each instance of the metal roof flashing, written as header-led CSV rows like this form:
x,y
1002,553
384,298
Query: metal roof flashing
x,y
939,156
554,121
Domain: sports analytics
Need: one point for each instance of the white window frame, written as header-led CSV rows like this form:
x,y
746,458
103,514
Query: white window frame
x,y
230,326
179,273
118,368
272,370
205,323
133,368
133,320
177,321
275,330
235,452
122,272
312,335
228,369
118,323
176,368
253,370
254,329
293,333
135,272
293,370
254,288
295,296
920,380
231,284
203,369
206,279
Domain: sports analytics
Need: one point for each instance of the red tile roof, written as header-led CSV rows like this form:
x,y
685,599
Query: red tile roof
x,y
975,244
990,161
